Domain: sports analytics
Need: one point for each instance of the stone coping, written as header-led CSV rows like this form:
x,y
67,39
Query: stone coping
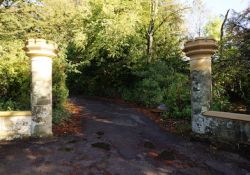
x,y
200,46
203,52
201,40
40,47
15,113
227,115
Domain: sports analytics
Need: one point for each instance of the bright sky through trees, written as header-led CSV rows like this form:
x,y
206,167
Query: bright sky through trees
x,y
219,7
209,10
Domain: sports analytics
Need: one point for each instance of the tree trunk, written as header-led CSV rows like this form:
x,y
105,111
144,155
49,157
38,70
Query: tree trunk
x,y
222,34
150,31
150,40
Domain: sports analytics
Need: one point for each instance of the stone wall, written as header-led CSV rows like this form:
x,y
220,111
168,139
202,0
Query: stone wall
x,y
219,126
38,123
224,126
15,125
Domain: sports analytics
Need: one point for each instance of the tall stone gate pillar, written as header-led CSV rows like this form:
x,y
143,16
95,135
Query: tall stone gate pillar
x,y
200,51
41,53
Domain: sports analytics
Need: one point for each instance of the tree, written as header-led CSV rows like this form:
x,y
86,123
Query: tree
x,y
161,12
103,45
221,45
151,28
232,67
53,20
197,18
213,28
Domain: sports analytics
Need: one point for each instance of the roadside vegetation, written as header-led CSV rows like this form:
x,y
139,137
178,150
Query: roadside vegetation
x,y
120,49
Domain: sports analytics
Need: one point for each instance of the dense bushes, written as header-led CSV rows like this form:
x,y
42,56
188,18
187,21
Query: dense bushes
x,y
113,61
105,48
162,82
59,90
19,21
103,52
231,70
15,77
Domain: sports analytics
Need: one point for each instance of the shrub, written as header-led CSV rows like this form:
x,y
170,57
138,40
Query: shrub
x,y
15,77
177,96
161,83
220,99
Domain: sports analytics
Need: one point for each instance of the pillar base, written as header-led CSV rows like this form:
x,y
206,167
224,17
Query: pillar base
x,y
41,131
42,120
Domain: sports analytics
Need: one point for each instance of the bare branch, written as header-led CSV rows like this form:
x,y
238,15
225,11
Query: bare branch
x,y
222,33
223,25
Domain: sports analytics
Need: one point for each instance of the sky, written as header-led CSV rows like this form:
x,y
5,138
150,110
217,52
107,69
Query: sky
x,y
219,7
213,8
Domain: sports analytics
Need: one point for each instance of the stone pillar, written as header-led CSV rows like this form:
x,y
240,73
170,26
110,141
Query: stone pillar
x,y
41,52
200,51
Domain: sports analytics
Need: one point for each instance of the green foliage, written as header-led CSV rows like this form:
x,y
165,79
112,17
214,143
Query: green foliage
x,y
146,92
213,27
162,82
103,51
60,114
59,89
178,96
220,101
231,68
18,22
103,60
15,76
111,58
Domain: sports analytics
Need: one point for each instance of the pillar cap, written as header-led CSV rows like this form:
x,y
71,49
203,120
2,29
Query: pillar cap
x,y
200,46
40,47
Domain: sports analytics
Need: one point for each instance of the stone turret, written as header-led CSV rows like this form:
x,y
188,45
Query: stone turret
x,y
41,53
200,51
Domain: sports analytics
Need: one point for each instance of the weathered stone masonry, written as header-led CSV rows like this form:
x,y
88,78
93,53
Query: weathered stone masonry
x,y
201,98
15,124
216,125
38,122
41,53
200,51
